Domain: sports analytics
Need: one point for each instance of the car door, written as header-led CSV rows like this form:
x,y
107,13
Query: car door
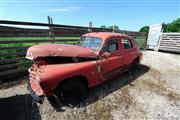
x,y
127,52
112,63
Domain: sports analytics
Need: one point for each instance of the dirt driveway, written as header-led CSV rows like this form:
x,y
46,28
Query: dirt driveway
x,y
153,91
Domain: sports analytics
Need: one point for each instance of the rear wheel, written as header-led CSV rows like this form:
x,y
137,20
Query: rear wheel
x,y
71,92
133,66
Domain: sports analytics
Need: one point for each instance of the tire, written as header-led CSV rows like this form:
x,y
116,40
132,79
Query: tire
x,y
71,92
133,67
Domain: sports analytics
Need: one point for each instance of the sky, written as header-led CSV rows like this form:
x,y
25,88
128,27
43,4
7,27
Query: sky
x,y
127,14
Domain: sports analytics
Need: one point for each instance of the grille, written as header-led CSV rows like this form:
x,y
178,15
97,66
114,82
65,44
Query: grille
x,y
34,80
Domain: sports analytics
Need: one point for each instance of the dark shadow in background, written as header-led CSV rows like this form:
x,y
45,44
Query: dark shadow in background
x,y
107,87
163,51
171,52
19,107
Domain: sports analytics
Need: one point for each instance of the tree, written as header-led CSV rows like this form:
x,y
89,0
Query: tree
x,y
144,29
115,27
174,26
103,26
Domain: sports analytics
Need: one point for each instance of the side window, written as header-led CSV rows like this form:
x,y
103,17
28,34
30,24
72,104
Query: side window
x,y
126,43
112,45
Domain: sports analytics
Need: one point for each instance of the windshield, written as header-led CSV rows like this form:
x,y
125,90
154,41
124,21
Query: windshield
x,y
90,42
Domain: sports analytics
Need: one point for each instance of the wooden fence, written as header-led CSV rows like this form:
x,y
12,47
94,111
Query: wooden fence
x,y
169,42
14,41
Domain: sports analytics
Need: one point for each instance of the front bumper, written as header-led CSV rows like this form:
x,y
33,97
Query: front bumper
x,y
36,97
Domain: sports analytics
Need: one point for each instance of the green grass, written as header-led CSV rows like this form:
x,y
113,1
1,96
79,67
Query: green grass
x,y
57,39
141,41
25,64
36,38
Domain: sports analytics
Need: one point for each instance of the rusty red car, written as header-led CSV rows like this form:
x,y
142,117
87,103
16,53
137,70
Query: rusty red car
x,y
68,71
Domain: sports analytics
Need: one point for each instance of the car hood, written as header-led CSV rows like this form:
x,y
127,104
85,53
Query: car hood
x,y
45,50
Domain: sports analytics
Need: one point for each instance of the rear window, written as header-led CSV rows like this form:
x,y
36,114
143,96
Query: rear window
x,y
126,43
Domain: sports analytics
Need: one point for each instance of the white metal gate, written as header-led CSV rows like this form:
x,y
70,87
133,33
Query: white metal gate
x,y
153,36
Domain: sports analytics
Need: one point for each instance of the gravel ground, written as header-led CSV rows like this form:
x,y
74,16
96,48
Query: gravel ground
x,y
151,92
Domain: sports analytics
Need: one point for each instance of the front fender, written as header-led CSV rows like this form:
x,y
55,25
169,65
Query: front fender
x,y
54,74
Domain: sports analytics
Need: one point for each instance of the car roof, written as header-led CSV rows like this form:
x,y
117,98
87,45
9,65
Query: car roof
x,y
106,35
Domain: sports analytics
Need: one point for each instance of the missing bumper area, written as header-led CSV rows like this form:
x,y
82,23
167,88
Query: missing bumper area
x,y
37,98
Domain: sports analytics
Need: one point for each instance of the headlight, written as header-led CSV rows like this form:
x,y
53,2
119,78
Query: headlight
x,y
29,56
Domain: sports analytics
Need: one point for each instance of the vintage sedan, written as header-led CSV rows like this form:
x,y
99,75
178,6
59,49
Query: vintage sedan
x,y
68,71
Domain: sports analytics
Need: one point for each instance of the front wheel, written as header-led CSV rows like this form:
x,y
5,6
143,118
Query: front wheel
x,y
71,92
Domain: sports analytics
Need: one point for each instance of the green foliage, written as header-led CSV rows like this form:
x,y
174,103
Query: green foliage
x,y
20,45
141,41
24,64
115,27
36,38
103,26
174,26
144,29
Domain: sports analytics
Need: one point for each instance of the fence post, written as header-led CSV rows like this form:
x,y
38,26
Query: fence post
x,y
113,29
51,30
90,27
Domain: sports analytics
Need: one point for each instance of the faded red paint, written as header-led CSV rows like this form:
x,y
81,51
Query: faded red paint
x,y
106,35
44,50
49,76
